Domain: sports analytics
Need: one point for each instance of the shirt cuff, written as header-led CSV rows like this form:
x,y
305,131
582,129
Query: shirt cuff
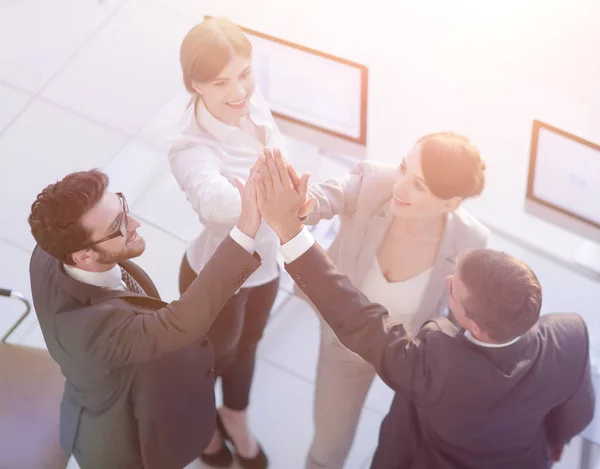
x,y
297,246
248,243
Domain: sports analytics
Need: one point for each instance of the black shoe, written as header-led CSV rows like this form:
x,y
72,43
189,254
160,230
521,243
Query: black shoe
x,y
259,461
223,458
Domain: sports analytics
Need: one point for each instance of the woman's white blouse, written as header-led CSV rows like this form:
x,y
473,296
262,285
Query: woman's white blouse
x,y
401,299
205,158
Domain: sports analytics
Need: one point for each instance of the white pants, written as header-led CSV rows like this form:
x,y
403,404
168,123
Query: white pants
x,y
343,381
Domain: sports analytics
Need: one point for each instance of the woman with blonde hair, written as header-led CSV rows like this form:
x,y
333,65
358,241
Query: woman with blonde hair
x,y
226,126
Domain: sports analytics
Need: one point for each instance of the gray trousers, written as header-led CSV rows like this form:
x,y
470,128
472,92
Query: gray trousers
x,y
343,381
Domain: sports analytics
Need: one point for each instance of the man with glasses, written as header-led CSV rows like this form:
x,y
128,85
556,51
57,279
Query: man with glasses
x,y
139,378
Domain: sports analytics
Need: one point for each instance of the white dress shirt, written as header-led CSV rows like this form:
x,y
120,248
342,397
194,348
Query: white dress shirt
x,y
303,241
205,158
112,278
469,336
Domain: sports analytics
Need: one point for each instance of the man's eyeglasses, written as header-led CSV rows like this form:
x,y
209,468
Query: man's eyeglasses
x,y
121,229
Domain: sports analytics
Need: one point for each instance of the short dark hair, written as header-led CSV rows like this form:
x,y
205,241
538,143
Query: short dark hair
x,y
55,218
452,165
504,295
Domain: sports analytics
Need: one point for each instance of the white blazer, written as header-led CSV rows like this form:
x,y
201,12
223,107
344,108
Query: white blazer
x,y
361,199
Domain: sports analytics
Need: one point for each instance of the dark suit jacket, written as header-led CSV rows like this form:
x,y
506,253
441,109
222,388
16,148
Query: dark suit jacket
x,y
139,383
459,405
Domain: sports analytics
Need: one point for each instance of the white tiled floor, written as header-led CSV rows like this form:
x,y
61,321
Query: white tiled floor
x,y
13,101
138,43
44,35
96,84
147,163
44,144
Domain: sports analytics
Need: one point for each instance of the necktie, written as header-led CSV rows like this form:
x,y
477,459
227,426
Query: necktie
x,y
131,283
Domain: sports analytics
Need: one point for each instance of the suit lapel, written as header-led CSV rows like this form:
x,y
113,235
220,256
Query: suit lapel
x,y
444,265
141,277
378,225
84,292
152,297
106,295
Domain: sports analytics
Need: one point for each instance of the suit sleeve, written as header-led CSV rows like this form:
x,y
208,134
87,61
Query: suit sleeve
x,y
364,327
117,337
572,416
337,196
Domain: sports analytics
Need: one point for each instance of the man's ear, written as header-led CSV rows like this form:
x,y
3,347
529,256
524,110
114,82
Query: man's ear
x,y
82,257
479,333
475,329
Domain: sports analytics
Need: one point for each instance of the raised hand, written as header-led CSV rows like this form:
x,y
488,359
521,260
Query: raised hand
x,y
279,199
301,185
250,218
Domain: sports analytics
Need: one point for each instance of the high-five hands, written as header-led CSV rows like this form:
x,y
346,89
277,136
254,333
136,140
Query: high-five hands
x,y
275,192
301,185
250,218
281,195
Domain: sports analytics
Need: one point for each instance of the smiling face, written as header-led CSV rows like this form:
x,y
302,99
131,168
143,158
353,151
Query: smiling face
x,y
227,96
101,221
412,198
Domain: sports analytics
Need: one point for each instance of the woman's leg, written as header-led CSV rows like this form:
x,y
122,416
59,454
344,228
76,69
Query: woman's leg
x,y
223,335
226,331
186,275
237,379
343,381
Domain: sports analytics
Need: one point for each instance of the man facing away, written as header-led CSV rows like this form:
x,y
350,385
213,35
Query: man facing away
x,y
139,378
504,390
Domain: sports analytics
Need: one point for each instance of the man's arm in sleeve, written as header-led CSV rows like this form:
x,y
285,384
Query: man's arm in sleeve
x,y
118,337
338,196
361,326
572,416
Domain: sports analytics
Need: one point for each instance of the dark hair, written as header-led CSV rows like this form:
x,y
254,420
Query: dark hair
x,y
451,165
504,295
55,218
208,47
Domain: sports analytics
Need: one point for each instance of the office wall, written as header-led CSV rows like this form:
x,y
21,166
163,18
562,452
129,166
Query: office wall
x,y
482,68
